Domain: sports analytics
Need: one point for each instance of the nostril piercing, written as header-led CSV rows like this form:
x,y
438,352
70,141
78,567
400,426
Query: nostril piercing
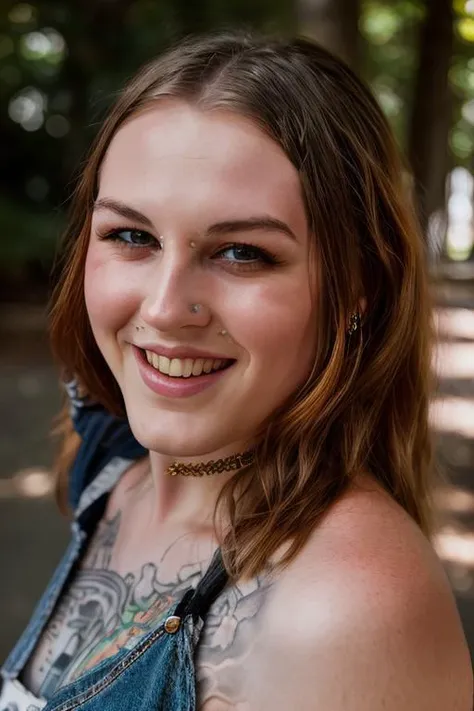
x,y
223,332
194,308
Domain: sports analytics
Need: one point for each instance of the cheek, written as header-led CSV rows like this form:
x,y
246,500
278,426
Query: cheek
x,y
279,333
109,305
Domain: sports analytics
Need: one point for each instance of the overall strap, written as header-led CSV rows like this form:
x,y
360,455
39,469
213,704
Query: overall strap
x,y
198,602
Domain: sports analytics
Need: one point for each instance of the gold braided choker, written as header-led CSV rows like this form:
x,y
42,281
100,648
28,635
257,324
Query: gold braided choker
x,y
217,466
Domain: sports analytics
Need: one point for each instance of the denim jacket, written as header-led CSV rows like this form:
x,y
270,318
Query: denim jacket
x,y
157,672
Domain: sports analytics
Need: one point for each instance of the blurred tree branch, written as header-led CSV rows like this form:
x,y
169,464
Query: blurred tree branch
x,y
334,24
431,114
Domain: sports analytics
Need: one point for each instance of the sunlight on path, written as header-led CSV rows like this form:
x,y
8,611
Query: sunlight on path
x,y
34,482
453,414
452,419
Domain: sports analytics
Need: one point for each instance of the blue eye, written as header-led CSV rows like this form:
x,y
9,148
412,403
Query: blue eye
x,y
244,253
246,256
130,238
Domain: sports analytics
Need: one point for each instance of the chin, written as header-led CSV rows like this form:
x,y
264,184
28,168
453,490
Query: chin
x,y
179,442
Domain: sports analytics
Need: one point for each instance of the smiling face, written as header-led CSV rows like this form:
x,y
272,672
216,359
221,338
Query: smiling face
x,y
200,208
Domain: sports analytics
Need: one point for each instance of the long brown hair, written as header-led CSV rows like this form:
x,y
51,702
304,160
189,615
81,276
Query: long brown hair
x,y
364,407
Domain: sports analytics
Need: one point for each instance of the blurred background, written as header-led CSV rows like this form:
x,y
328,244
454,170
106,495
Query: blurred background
x,y
60,66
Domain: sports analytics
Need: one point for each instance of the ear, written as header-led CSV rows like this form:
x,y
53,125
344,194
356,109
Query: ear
x,y
362,305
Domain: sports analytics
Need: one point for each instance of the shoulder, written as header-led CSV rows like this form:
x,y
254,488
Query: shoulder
x,y
363,618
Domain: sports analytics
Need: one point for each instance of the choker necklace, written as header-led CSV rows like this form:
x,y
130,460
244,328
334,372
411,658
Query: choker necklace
x,y
217,466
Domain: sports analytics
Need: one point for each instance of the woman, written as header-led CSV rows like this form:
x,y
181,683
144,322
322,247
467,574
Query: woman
x,y
245,288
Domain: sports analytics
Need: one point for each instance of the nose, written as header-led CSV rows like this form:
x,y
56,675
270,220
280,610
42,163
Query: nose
x,y
174,295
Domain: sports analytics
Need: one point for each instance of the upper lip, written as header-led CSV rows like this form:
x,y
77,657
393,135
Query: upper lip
x,y
181,352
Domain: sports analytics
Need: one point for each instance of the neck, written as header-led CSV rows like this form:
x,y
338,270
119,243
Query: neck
x,y
184,500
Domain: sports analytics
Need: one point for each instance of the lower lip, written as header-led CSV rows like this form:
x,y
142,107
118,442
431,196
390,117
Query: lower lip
x,y
174,387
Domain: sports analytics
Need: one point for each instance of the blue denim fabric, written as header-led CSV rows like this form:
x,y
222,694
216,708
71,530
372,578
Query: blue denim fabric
x,y
158,671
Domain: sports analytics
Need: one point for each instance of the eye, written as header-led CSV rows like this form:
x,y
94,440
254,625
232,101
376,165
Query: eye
x,y
246,256
130,238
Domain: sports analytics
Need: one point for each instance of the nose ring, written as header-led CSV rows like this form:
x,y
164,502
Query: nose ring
x,y
195,308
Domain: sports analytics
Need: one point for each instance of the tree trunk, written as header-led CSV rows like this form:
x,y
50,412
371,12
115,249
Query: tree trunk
x,y
334,24
432,109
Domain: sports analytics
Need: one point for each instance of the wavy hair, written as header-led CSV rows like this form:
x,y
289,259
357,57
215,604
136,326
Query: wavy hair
x,y
364,407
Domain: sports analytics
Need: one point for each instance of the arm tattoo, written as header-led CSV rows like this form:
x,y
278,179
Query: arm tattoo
x,y
230,632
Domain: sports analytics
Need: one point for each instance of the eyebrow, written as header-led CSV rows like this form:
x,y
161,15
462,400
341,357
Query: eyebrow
x,y
258,222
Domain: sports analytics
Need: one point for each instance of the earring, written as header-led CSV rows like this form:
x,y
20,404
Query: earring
x,y
194,308
354,323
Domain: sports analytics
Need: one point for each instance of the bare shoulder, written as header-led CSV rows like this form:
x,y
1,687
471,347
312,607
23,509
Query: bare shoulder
x,y
363,618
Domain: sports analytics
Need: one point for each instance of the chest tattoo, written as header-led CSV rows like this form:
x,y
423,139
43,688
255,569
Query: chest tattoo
x,y
103,612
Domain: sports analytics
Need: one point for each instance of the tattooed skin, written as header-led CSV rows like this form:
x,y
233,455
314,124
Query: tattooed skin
x,y
103,612
229,637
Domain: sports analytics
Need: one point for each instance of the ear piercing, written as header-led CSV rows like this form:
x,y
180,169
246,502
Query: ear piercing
x,y
139,328
354,324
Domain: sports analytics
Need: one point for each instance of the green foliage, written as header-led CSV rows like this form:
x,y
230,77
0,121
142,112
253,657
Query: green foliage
x,y
27,235
391,32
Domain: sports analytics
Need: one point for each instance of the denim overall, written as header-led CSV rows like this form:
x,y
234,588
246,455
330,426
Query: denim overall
x,y
157,671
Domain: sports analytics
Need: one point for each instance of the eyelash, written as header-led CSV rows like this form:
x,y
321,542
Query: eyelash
x,y
265,257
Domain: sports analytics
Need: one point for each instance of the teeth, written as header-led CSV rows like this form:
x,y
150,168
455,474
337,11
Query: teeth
x,y
176,368
164,365
188,367
197,366
183,367
207,367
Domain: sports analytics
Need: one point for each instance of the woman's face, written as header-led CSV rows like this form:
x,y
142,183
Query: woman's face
x,y
200,208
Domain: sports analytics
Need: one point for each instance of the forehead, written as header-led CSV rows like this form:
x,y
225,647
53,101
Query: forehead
x,y
174,152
